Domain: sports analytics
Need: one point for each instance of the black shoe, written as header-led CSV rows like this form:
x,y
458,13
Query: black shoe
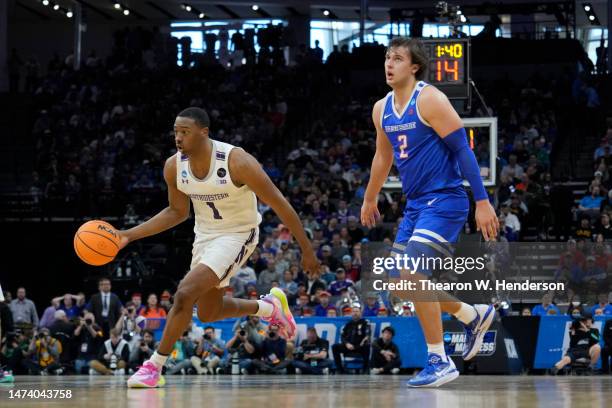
x,y
554,371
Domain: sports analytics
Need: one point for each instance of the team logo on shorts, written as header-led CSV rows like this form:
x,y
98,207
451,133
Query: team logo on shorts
x,y
221,172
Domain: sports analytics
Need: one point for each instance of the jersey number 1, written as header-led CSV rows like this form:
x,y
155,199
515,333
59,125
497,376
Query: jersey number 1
x,y
403,140
216,214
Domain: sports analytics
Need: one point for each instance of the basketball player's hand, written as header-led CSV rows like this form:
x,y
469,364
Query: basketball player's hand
x,y
369,213
310,262
123,239
486,220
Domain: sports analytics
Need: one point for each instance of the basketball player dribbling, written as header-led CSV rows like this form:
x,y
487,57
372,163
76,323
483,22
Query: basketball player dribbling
x,y
418,128
223,183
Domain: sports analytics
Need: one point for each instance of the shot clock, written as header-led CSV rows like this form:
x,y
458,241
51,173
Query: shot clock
x,y
449,66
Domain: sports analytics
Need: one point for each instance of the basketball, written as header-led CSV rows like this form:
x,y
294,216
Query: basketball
x,y
96,242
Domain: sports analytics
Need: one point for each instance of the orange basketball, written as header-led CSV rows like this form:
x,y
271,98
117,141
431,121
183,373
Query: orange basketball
x,y
96,242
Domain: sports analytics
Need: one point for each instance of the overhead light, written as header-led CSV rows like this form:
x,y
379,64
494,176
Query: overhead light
x,y
201,15
592,17
254,7
458,12
188,7
69,14
587,7
126,12
117,5
326,12
243,61
462,18
45,2
56,7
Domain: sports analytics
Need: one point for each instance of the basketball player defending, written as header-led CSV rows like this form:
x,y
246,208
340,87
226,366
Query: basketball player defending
x,y
223,183
417,126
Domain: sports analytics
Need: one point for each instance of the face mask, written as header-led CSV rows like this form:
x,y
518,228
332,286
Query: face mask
x,y
576,314
576,303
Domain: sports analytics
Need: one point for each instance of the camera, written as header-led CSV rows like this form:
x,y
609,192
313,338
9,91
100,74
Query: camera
x,y
40,336
113,362
242,332
130,310
142,343
206,336
88,322
272,335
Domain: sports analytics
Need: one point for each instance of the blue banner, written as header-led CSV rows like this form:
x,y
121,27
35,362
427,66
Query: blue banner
x,y
553,338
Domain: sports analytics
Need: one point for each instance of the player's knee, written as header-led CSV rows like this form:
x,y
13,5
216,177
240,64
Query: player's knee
x,y
183,298
207,315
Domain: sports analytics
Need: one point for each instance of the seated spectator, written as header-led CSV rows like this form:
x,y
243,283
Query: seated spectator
x,y
208,353
88,338
575,308
355,340
153,311
24,310
584,231
512,223
13,352
383,311
340,283
606,351
137,301
179,360
273,352
311,356
323,306
385,353
113,355
63,330
371,307
288,285
327,276
128,324
525,312
590,204
353,272
246,343
592,271
327,259
584,344
542,310
43,354
166,300
603,304
512,170
143,350
313,283
264,281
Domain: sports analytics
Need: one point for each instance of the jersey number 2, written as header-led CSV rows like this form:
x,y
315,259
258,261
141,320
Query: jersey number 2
x,y
403,140
216,214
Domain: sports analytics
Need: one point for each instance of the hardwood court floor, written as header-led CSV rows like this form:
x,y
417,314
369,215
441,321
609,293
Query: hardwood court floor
x,y
317,391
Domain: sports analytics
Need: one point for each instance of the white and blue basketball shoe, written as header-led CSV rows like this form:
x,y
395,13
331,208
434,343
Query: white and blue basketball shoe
x,y
436,373
476,329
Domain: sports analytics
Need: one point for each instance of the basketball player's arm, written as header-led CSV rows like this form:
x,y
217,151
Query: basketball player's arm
x,y
176,212
436,109
246,170
381,165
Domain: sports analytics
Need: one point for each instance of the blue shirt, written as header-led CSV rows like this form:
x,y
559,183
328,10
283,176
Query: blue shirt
x,y
371,311
540,310
71,312
607,309
591,202
424,162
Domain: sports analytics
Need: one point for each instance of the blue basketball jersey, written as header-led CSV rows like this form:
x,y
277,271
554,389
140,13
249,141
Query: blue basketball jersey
x,y
424,162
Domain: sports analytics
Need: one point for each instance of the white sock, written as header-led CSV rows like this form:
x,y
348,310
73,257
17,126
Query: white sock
x,y
466,313
158,359
265,309
438,349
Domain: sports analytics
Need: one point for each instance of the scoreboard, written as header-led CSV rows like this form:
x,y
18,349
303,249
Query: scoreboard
x,y
449,66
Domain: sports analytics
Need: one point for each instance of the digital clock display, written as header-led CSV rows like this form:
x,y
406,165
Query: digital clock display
x,y
448,65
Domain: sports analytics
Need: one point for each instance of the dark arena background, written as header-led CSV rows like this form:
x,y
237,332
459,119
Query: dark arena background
x,y
90,90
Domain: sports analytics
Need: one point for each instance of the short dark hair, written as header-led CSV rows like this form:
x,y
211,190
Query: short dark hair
x,y
417,53
390,330
102,279
148,331
199,115
209,327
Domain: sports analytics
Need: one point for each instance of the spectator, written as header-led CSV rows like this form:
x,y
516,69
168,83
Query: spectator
x,y
606,351
264,281
575,308
44,351
113,355
313,283
89,338
14,351
371,307
512,170
273,351
525,312
311,356
584,231
105,306
340,283
288,285
143,351
512,223
584,344
208,353
590,204
48,318
327,258
354,340
602,304
137,301
246,274
129,324
545,307
67,305
23,309
323,306
63,330
166,301
180,356
246,342
385,353
605,228
152,310
352,271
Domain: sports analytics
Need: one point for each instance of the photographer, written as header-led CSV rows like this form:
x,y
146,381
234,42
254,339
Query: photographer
x,y
606,353
128,326
584,344
311,356
14,350
246,342
385,353
113,356
209,351
355,338
180,356
143,350
89,338
273,352
45,351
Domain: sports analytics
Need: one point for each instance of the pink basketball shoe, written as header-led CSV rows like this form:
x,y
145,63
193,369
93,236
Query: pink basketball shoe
x,y
281,314
147,376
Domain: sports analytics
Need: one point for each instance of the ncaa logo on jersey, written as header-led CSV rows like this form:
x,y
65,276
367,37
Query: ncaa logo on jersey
x,y
221,172
184,176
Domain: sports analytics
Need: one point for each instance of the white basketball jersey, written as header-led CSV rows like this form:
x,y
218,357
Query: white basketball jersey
x,y
218,204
